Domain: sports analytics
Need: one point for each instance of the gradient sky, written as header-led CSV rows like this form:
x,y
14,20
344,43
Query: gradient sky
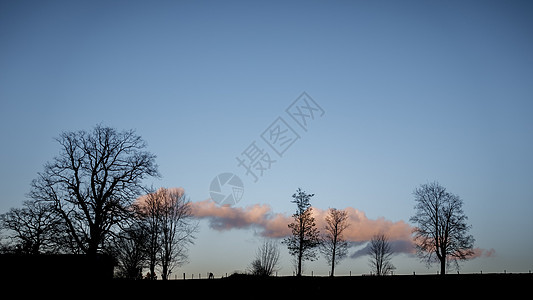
x,y
412,92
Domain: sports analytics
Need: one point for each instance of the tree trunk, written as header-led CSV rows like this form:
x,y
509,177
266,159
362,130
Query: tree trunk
x,y
333,257
299,271
164,273
301,248
152,271
443,266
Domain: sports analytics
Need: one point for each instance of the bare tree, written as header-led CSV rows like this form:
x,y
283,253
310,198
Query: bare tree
x,y
33,229
441,232
381,255
150,210
305,236
93,181
168,219
266,259
333,245
177,229
129,249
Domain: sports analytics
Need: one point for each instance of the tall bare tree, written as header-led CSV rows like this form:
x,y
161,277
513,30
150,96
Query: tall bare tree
x,y
266,259
381,255
177,229
93,182
150,210
441,232
305,236
170,227
333,245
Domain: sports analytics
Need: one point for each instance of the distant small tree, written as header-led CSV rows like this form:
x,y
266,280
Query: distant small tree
x,y
333,245
305,236
441,232
266,259
381,255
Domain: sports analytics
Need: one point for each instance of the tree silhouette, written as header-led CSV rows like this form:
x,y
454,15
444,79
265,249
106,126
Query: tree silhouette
x,y
177,229
93,182
266,259
380,255
441,232
129,249
167,219
333,245
305,236
34,229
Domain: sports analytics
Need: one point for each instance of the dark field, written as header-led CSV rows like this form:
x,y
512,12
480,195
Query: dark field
x,y
460,286
76,276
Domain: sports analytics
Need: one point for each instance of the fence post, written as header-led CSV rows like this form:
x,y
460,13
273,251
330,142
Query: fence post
x,y
183,276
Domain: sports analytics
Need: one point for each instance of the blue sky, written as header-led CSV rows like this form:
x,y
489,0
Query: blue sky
x,y
412,92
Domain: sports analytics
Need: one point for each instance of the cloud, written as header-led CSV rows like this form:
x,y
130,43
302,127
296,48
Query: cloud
x,y
269,224
141,201
256,216
362,228
478,252
397,246
274,225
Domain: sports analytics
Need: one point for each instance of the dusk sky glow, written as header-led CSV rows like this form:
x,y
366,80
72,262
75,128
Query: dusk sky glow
x,y
376,97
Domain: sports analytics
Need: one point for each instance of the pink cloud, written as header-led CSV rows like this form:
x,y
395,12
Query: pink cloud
x,y
260,217
362,228
269,224
227,217
141,201
478,252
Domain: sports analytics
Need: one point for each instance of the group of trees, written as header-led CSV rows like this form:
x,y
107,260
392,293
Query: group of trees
x,y
90,200
440,235
158,237
306,239
84,203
